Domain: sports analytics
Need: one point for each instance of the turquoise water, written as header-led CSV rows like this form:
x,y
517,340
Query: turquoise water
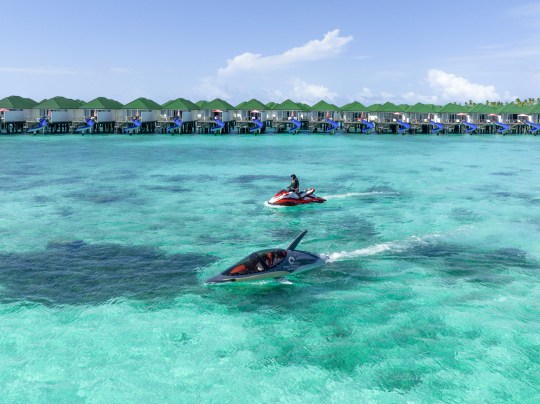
x,y
431,289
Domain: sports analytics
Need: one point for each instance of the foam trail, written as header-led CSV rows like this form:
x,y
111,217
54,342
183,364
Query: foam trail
x,y
274,206
372,250
396,246
353,194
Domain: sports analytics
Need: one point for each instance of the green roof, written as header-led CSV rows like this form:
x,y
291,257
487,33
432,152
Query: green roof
x,y
512,109
452,108
403,107
58,103
217,104
527,109
389,107
16,102
180,104
102,103
142,103
374,108
324,106
305,107
271,104
534,109
483,109
424,108
251,105
289,105
354,106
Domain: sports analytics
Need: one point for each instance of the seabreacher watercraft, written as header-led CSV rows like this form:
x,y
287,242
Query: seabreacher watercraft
x,y
272,263
291,198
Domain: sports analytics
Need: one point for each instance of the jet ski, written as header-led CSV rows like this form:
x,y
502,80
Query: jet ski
x,y
271,263
291,198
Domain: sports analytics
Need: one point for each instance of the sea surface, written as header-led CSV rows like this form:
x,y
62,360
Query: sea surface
x,y
430,292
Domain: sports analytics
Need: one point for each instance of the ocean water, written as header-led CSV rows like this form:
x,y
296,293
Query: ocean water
x,y
430,292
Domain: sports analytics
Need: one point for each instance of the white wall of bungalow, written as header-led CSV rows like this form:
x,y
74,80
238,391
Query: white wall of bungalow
x,y
515,118
321,116
354,116
62,115
375,117
103,115
184,115
391,116
21,115
211,114
282,115
247,115
422,117
146,115
479,117
454,117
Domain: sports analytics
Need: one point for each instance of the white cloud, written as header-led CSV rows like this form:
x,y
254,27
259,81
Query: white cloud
x,y
310,93
450,87
411,97
331,45
210,89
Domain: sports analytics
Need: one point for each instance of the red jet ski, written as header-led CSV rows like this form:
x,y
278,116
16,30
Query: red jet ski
x,y
291,198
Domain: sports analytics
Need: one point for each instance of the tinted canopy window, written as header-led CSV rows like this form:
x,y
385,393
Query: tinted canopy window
x,y
257,262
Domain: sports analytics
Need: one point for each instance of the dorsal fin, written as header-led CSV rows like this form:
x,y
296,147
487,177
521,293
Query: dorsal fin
x,y
297,240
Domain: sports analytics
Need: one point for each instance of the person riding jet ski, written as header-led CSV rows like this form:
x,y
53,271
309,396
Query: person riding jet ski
x,y
293,196
295,185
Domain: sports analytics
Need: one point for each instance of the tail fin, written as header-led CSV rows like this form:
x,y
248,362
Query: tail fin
x,y
297,240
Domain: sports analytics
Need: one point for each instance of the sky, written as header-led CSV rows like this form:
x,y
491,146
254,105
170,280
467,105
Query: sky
x,y
338,51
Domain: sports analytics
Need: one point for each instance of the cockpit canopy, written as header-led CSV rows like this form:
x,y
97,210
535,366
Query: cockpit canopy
x,y
257,262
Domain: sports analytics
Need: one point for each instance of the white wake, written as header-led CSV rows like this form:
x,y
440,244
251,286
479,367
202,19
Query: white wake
x,y
268,205
358,194
393,246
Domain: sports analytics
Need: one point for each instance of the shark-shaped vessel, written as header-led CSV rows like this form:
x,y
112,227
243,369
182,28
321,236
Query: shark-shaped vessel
x,y
270,263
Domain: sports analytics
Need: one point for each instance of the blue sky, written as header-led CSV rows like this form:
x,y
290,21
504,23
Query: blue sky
x,y
370,51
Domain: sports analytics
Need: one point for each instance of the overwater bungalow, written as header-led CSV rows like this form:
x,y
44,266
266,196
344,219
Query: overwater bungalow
x,y
533,123
324,117
510,113
139,116
15,111
384,113
179,116
533,111
216,116
452,113
423,113
482,114
516,116
355,117
482,119
271,105
372,112
103,112
423,118
59,113
452,116
286,117
252,116
389,118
